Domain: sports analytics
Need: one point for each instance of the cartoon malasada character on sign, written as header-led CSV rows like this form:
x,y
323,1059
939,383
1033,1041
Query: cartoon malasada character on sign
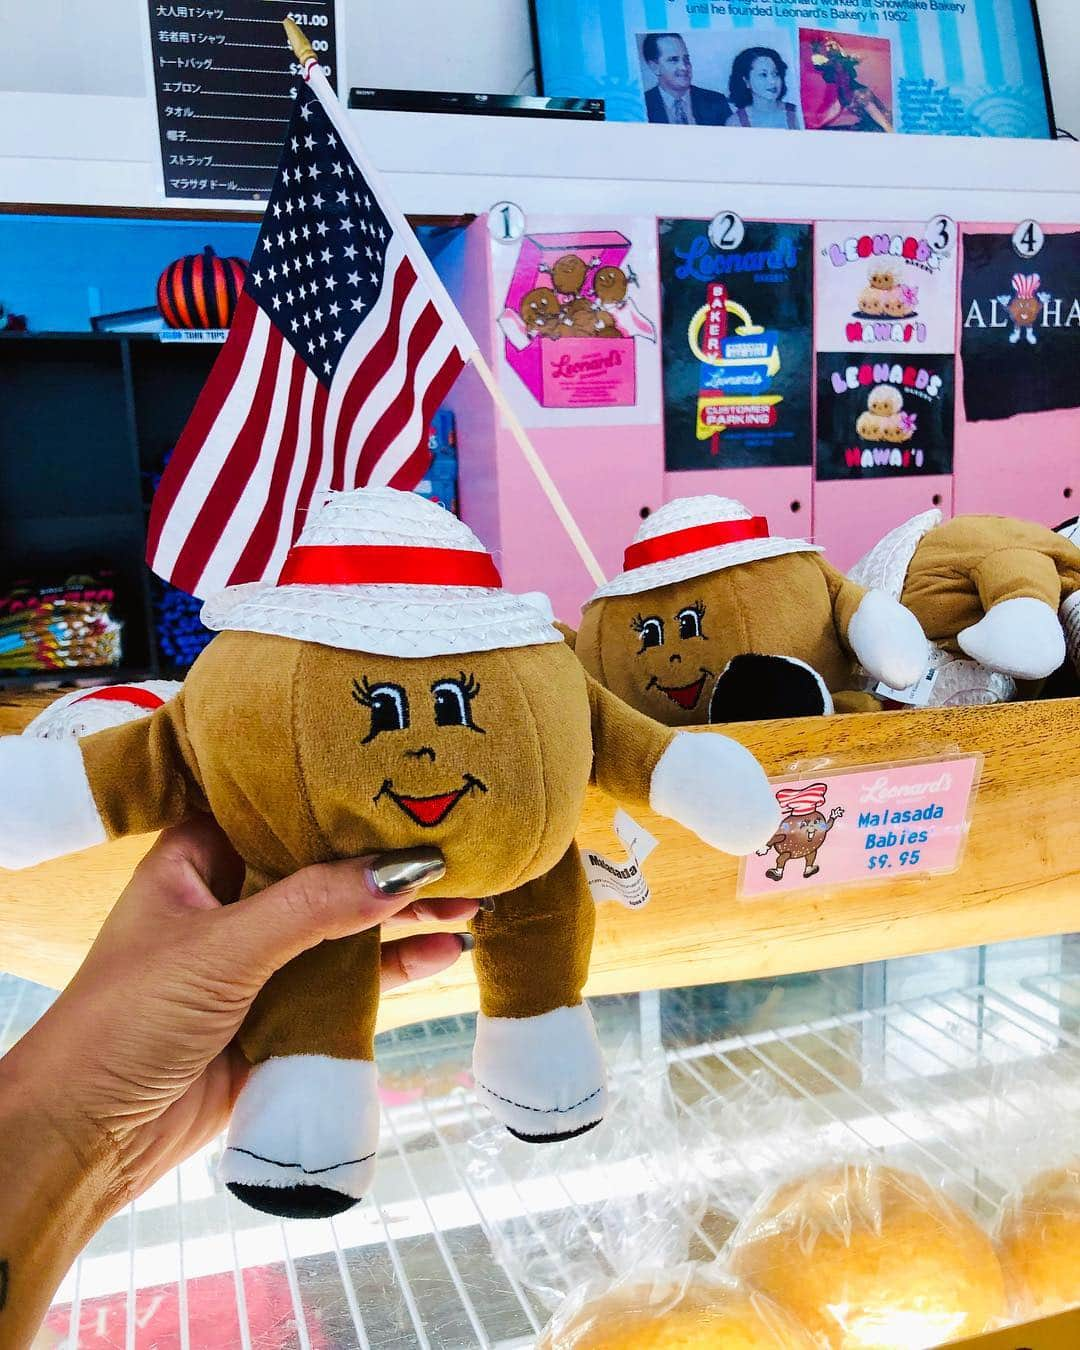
x,y
803,829
1025,307
386,693
715,619
568,274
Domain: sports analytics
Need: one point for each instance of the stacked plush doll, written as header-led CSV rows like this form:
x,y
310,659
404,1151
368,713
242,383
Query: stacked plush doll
x,y
999,598
387,692
715,619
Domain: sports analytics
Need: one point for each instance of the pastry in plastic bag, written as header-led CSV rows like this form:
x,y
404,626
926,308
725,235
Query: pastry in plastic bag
x,y
871,1258
1039,1243
693,1308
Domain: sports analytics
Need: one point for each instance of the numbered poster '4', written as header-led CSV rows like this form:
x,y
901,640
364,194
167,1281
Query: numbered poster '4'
x,y
873,823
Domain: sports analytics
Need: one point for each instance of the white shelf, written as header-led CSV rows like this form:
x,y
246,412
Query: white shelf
x,y
464,163
446,164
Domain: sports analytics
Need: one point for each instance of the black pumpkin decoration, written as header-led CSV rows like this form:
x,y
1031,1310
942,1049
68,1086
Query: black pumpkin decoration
x,y
201,290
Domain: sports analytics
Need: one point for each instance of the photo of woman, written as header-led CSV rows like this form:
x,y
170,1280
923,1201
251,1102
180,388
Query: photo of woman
x,y
758,91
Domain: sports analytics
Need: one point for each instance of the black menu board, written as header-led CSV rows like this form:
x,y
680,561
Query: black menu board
x,y
225,77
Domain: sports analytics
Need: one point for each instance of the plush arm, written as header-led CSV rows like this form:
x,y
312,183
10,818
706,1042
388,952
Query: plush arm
x,y
57,797
883,636
705,781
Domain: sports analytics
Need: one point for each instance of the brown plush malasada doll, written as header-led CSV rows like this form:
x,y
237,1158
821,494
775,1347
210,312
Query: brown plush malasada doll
x,y
1001,592
714,619
387,693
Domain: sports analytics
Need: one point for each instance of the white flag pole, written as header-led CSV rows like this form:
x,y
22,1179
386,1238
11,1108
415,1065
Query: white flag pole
x,y
466,343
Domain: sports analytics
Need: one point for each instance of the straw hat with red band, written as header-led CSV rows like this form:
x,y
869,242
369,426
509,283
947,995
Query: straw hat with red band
x,y
691,537
382,571
110,705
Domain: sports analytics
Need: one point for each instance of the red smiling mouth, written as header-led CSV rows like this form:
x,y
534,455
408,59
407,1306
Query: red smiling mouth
x,y
685,695
430,811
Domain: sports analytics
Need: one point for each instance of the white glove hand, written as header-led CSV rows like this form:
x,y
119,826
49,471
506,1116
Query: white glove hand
x,y
46,807
715,787
888,641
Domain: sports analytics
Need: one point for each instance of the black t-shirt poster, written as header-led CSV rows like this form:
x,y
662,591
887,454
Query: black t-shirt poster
x,y
737,346
1021,327
884,417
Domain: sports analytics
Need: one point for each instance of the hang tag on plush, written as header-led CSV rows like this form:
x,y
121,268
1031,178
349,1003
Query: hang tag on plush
x,y
623,882
917,695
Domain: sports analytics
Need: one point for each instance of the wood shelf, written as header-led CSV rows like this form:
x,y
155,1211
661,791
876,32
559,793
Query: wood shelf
x,y
1020,876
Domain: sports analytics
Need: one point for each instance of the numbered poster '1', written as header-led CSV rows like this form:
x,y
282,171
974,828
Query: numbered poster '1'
x,y
875,823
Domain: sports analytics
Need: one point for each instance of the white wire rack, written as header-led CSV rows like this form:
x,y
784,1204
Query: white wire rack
x,y
920,1081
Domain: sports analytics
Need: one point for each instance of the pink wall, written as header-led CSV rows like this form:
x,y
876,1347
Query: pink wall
x,y
1026,466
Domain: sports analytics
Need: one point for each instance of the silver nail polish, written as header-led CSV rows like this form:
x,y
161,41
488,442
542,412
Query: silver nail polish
x,y
468,942
406,869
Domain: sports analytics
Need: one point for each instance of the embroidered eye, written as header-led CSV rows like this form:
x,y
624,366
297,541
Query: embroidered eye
x,y
388,703
690,620
453,702
651,630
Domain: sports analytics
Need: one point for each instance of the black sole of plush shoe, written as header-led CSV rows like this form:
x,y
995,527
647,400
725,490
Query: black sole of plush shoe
x,y
553,1138
293,1202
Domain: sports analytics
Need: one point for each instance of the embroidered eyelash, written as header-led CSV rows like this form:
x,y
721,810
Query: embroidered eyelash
x,y
637,623
362,692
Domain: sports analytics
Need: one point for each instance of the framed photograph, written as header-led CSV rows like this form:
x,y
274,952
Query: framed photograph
x,y
952,69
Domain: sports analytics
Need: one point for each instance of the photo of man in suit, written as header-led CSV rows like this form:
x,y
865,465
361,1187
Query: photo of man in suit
x,y
675,97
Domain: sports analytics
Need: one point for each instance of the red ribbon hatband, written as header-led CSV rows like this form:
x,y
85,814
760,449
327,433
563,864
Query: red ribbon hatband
x,y
692,540
387,565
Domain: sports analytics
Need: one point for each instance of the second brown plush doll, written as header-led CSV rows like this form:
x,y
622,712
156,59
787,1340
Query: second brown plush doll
x,y
715,619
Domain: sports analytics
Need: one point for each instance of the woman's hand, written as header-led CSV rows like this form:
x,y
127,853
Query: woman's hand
x,y
132,1069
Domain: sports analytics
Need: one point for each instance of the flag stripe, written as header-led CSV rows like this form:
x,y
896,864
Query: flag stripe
x,y
214,512
308,451
411,437
379,398
243,479
314,479
219,385
389,425
416,465
256,554
372,367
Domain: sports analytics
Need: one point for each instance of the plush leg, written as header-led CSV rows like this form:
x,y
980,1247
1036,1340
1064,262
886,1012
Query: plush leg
x,y
1020,634
537,1062
305,1130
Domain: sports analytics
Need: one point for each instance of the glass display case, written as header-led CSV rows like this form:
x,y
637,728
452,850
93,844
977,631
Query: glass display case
x,y
920,1063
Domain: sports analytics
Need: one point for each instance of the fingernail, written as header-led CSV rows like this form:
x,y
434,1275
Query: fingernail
x,y
468,942
406,869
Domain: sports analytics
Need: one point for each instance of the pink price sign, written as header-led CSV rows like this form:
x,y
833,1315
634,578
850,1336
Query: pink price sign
x,y
868,824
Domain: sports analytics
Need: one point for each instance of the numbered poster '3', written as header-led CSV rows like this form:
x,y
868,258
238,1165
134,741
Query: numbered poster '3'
x,y
875,823
884,287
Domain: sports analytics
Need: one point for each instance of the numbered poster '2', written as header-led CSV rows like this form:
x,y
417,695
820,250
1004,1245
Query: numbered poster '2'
x,y
874,823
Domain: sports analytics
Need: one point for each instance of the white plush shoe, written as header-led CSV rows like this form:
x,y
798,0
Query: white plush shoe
x,y
888,640
303,1136
1021,637
542,1077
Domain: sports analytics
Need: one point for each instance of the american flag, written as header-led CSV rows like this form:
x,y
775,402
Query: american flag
x,y
342,346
